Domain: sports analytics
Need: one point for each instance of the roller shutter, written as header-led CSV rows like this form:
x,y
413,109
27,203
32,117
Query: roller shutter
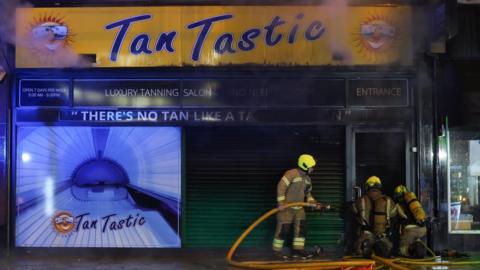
x,y
231,177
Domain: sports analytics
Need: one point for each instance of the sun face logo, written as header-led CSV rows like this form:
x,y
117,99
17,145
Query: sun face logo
x,y
47,41
50,33
63,222
375,37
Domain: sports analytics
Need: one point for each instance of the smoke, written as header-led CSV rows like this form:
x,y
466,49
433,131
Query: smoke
x,y
339,31
7,20
7,30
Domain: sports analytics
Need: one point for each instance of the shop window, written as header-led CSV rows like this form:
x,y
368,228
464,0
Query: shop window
x,y
463,182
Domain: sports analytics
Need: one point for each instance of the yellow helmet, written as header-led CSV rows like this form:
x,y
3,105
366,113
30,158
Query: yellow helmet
x,y
306,161
373,182
399,192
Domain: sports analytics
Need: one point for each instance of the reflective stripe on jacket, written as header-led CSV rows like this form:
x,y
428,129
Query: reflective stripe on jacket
x,y
294,186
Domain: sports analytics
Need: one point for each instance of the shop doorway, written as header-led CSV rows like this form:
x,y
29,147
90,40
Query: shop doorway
x,y
380,152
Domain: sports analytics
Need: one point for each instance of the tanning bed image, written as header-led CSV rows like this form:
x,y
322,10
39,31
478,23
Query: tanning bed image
x,y
98,186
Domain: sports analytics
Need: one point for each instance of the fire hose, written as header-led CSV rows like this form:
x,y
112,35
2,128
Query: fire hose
x,y
310,264
344,264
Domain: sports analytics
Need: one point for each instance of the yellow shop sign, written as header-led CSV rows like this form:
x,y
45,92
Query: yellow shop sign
x,y
212,36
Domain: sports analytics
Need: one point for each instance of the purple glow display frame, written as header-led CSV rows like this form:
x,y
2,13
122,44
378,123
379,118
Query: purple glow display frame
x,y
82,186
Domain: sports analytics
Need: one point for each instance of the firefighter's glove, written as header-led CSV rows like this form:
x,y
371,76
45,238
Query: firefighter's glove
x,y
322,207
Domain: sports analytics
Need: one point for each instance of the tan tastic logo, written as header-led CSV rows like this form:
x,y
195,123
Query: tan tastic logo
x,y
375,37
63,222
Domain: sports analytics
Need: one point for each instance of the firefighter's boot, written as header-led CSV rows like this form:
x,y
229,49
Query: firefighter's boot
x,y
302,254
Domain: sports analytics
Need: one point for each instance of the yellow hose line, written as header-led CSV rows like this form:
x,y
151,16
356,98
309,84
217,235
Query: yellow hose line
x,y
356,258
428,249
310,265
397,259
439,263
327,265
428,262
420,260
389,262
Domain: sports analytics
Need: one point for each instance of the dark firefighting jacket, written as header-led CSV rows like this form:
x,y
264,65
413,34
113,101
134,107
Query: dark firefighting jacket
x,y
295,186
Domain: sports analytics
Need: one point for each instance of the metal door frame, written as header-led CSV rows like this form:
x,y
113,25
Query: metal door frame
x,y
352,130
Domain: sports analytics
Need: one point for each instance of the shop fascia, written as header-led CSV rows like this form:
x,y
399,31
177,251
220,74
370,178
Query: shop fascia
x,y
224,43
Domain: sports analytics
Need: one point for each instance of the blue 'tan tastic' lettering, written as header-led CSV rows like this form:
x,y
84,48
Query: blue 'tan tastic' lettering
x,y
318,27
165,40
224,44
246,43
124,25
206,24
270,29
140,45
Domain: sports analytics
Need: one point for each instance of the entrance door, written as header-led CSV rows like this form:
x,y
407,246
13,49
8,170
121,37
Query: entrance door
x,y
380,152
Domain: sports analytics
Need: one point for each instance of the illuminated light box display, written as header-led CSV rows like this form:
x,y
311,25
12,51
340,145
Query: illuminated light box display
x,y
98,187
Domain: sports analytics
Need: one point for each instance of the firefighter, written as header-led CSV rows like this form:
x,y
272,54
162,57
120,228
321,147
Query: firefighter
x,y
412,223
373,212
294,186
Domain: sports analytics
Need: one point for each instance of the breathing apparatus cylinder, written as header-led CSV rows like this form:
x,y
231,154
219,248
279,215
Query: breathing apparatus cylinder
x,y
415,207
380,218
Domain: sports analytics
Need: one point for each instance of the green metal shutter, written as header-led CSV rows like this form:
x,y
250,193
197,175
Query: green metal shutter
x,y
232,174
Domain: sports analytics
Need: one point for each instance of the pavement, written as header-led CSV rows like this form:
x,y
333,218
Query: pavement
x,y
185,259
149,259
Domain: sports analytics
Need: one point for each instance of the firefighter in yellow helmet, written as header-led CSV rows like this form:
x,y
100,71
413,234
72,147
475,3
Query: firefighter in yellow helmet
x,y
373,212
412,223
294,186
